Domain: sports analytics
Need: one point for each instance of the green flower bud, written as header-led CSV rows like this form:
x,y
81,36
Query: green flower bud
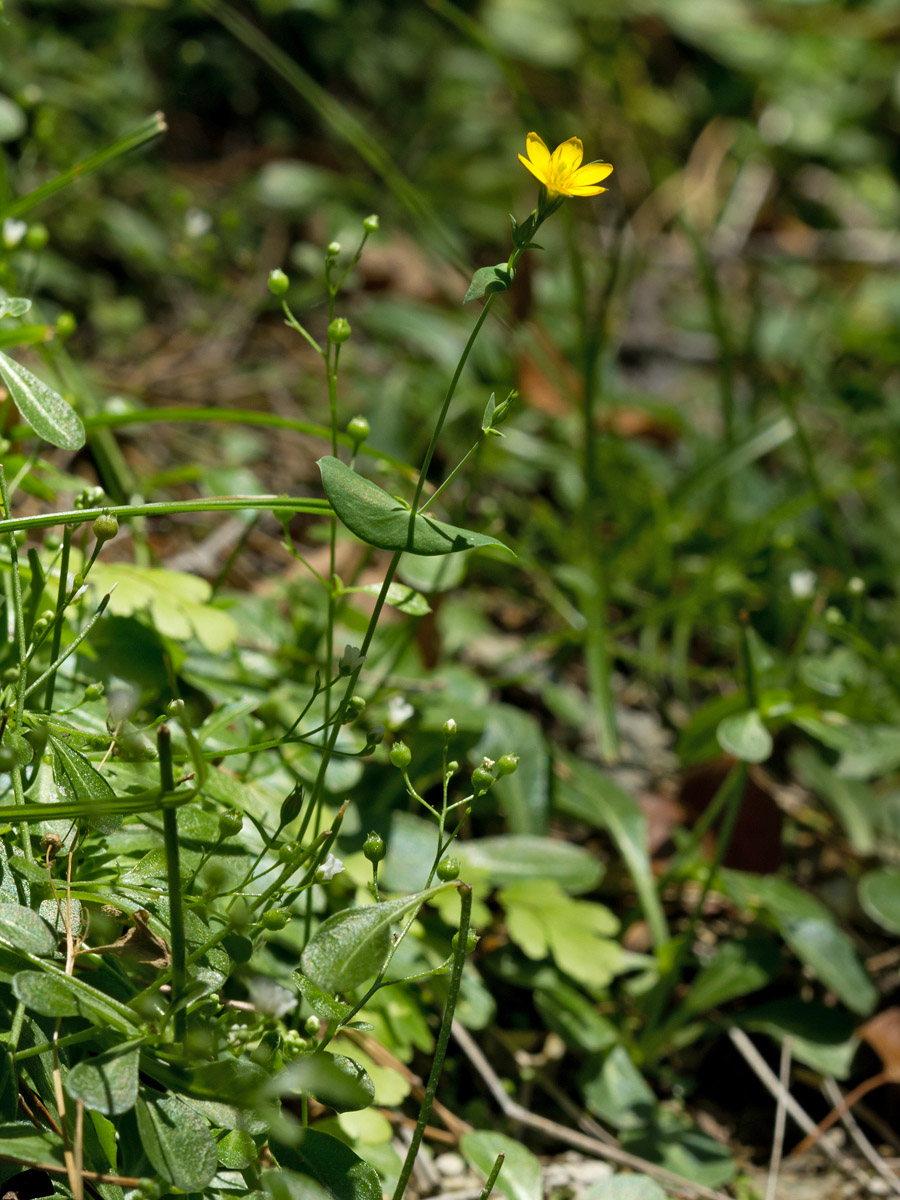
x,y
339,330
401,756
374,737
374,848
230,823
286,852
20,537
355,706
507,764
483,776
471,941
106,527
452,766
311,1026
449,728
278,282
276,918
290,807
358,430
93,691
856,586
447,869
333,249
370,223
37,237
77,581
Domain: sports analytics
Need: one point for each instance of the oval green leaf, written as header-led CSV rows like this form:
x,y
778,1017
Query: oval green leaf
x,y
879,894
24,929
489,279
79,782
512,859
178,1142
351,946
108,1083
745,737
380,520
520,1175
44,410
329,1168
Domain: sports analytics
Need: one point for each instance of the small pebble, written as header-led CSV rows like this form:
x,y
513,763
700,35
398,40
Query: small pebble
x,y
450,1165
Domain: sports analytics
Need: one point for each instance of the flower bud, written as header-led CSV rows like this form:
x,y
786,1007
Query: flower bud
x,y
332,249
275,918
65,325
507,764
471,941
483,777
290,806
105,527
339,330
37,237
374,848
278,282
449,728
401,756
311,1026
93,691
358,430
370,223
230,823
355,706
447,869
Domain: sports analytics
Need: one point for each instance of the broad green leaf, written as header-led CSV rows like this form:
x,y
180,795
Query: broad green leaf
x,y
587,793
107,1083
811,932
178,603
29,1147
524,797
79,782
879,894
508,860
53,993
237,1150
350,947
24,929
14,306
615,1091
626,1187
736,969
400,596
855,804
44,410
328,1169
489,279
20,746
320,1002
380,520
745,737
821,1034
676,1143
177,1141
520,1175
569,1013
332,1079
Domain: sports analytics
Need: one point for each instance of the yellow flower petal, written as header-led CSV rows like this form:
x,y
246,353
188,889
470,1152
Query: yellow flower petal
x,y
536,149
590,173
585,190
540,176
567,157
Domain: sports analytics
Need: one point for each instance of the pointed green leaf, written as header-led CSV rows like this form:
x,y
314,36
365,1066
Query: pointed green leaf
x,y
108,1083
44,410
879,894
332,1079
53,993
380,520
77,780
320,1002
489,279
351,946
178,1142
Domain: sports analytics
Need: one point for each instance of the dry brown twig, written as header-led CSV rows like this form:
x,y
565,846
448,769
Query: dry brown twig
x,y
868,1151
572,1137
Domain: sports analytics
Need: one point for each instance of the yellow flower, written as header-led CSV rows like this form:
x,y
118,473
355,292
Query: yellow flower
x,y
561,172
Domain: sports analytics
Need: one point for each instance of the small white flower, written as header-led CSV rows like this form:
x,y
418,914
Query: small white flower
x,y
803,584
330,867
197,222
399,711
13,232
270,997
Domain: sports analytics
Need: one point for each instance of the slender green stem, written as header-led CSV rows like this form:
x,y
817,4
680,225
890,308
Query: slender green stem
x,y
173,873
19,619
459,466
71,648
440,1049
60,608
160,508
492,1178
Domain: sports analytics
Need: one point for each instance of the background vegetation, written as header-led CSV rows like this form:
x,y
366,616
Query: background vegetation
x,y
694,651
